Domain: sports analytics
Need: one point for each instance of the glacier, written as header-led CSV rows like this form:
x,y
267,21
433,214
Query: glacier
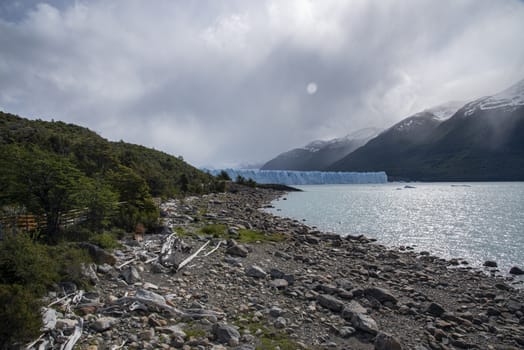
x,y
290,177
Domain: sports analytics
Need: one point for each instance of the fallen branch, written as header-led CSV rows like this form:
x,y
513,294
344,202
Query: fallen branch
x,y
116,347
214,249
73,339
191,257
126,263
61,299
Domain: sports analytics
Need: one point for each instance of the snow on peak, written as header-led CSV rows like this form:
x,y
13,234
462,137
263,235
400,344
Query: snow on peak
x,y
445,110
366,133
510,99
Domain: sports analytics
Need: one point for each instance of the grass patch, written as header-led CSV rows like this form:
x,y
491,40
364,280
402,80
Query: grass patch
x,y
215,230
271,338
105,240
243,236
195,333
252,236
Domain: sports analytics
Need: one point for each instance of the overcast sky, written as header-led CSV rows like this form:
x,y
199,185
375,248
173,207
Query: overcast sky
x,y
229,82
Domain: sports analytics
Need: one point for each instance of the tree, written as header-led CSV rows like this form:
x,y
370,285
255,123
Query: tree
x,y
224,176
45,183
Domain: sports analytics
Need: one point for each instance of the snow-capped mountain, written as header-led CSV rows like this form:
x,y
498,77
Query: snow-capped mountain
x,y
480,141
319,154
509,100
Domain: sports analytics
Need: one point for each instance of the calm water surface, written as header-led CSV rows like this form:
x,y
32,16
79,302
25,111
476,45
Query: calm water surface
x,y
474,221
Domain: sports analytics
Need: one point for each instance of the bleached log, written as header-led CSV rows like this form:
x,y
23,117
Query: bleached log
x,y
30,345
126,263
116,347
61,299
191,257
152,299
214,249
73,339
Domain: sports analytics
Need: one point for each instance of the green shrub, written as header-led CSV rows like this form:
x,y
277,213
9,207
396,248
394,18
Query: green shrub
x,y
69,261
20,319
105,240
26,263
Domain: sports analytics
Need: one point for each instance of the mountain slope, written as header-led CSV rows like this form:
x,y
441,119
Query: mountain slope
x,y
481,141
319,154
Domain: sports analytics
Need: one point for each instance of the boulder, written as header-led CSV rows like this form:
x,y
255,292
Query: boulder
x,y
364,323
225,334
352,308
103,324
381,294
255,271
516,271
330,302
99,255
490,263
435,309
279,283
131,275
236,249
384,341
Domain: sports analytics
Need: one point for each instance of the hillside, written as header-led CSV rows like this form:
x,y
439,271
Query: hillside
x,y
51,167
481,141
318,155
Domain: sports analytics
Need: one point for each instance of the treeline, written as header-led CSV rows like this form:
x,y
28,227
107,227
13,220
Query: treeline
x,y
48,168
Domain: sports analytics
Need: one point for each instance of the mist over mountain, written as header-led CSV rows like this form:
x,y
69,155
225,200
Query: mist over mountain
x,y
481,141
319,154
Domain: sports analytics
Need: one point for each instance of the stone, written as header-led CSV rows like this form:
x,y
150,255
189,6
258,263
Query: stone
x,y
65,323
173,330
490,263
275,311
330,302
352,308
435,309
255,271
364,323
104,268
516,271
103,324
280,323
245,347
236,249
346,332
312,239
99,255
225,334
157,268
131,275
279,283
381,294
384,341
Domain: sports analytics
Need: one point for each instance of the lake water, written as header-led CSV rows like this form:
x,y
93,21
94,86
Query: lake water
x,y
473,221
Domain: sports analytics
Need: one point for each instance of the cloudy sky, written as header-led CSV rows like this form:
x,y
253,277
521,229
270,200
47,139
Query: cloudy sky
x,y
229,82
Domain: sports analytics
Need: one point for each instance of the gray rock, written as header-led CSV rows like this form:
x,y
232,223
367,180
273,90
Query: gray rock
x,y
99,255
255,271
236,249
330,302
352,308
381,294
516,271
225,334
157,268
435,309
279,283
344,283
131,275
173,330
280,323
312,239
245,347
275,311
490,263
103,324
385,341
346,332
104,268
364,323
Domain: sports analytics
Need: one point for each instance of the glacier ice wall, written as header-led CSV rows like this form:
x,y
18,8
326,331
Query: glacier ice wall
x,y
288,177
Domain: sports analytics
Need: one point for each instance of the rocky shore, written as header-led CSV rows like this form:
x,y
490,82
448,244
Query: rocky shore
x,y
262,282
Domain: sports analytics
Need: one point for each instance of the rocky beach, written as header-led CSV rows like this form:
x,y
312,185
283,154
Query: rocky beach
x,y
224,274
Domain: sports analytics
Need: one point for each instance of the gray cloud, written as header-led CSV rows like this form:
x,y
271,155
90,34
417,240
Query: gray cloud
x,y
223,82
